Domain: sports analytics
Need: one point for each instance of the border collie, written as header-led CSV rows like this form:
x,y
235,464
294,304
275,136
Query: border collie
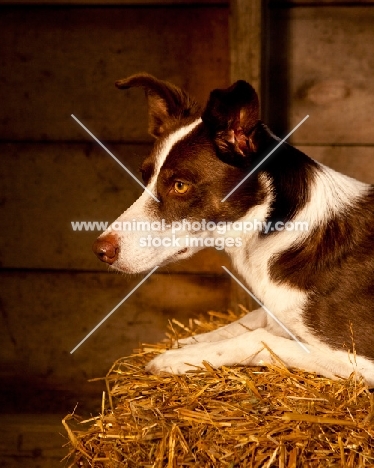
x,y
318,283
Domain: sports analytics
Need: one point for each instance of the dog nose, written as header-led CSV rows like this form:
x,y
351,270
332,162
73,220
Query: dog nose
x,y
106,249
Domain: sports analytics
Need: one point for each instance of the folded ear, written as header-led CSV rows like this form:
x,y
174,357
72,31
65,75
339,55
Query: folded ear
x,y
231,116
167,104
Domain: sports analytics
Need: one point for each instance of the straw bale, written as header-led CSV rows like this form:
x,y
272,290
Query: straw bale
x,y
227,417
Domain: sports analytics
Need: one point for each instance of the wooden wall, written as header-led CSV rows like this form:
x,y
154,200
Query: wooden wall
x,y
59,60
320,63
62,57
306,57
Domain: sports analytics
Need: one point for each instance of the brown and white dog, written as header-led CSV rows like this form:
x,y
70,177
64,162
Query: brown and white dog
x,y
319,283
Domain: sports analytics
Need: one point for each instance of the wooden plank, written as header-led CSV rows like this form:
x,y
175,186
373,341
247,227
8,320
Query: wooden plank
x,y
112,2
321,65
317,3
32,440
44,315
67,60
245,41
47,186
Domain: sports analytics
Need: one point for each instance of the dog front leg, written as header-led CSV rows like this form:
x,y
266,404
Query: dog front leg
x,y
251,321
248,349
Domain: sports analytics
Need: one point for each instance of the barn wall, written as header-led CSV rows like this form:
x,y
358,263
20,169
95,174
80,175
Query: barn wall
x,y
305,57
320,63
58,61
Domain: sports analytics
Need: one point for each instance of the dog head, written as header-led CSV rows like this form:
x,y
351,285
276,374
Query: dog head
x,y
198,157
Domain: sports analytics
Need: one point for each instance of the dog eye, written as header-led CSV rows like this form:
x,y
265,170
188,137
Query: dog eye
x,y
181,187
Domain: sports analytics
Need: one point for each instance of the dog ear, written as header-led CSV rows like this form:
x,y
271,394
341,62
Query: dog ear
x,y
167,104
231,116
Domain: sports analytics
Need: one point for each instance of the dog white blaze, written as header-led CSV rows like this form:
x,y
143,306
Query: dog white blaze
x,y
146,253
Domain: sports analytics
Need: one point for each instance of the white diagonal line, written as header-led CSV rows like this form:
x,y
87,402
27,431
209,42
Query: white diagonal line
x,y
115,308
265,158
267,310
116,159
